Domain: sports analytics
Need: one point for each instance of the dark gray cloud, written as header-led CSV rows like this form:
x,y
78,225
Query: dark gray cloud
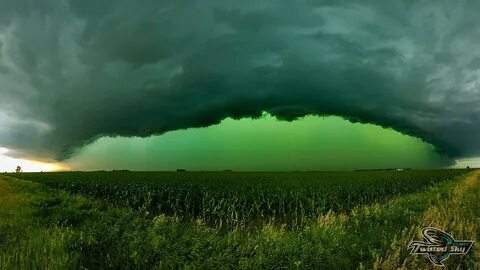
x,y
72,71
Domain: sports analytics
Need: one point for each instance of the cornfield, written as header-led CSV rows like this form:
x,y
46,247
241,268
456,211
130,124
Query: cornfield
x,y
242,199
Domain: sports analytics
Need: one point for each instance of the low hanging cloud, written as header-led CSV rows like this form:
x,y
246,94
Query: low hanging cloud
x,y
73,71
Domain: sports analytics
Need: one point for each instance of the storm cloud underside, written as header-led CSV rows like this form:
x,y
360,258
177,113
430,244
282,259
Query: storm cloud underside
x,y
73,71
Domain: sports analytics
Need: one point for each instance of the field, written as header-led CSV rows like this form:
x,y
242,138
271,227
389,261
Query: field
x,y
210,220
236,200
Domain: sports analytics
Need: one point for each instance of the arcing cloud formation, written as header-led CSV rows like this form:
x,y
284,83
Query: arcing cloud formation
x,y
72,71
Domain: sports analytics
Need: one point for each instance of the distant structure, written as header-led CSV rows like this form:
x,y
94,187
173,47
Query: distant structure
x,y
384,169
18,170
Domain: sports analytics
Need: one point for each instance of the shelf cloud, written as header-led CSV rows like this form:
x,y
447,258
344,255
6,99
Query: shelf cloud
x,y
73,71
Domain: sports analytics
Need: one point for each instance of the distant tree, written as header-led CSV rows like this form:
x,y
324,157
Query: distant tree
x,y
468,167
19,169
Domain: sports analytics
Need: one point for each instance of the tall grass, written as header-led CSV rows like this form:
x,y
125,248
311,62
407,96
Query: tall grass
x,y
49,228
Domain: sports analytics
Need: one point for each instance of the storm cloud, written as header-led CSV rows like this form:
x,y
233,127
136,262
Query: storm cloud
x,y
73,71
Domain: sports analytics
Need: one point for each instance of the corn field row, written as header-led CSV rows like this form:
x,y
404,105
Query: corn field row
x,y
241,199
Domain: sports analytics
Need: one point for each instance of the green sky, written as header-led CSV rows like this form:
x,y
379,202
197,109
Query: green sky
x,y
81,70
311,143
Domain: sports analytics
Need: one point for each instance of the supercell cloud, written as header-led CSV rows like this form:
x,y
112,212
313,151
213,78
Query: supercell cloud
x,y
73,71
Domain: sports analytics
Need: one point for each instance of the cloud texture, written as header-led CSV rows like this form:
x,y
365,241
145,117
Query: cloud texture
x,y
72,71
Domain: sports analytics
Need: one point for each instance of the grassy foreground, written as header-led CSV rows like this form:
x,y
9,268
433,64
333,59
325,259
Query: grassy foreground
x,y
46,228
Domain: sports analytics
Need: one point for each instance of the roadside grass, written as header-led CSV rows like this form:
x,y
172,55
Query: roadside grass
x,y
456,212
26,242
45,228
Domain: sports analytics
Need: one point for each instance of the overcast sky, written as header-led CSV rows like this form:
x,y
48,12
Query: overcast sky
x,y
74,71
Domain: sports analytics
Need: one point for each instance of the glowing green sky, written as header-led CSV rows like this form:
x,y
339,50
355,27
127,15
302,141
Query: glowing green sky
x,y
311,143
81,70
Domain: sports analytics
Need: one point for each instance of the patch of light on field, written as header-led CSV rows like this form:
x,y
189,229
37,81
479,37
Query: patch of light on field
x,y
8,164
470,162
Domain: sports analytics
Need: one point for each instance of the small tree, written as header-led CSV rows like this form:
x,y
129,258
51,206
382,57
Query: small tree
x,y
19,169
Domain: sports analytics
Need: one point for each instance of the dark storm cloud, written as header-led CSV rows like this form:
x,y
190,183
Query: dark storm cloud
x,y
72,71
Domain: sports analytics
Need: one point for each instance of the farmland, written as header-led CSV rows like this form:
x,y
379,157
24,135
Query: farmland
x,y
235,200
229,220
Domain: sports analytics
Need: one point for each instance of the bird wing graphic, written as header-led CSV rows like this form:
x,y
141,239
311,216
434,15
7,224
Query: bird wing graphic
x,y
436,259
436,236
